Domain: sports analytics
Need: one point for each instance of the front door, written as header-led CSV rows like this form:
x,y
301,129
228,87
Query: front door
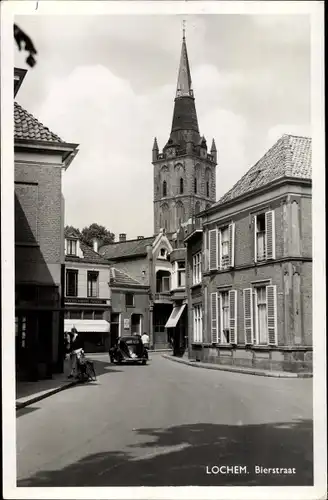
x,y
136,324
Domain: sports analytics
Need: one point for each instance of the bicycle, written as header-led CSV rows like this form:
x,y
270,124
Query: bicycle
x,y
85,369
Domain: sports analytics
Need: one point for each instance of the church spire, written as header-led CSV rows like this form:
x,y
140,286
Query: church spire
x,y
184,114
184,86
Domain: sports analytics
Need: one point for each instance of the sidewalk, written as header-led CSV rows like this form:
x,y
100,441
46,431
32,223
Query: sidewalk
x,y
237,369
28,393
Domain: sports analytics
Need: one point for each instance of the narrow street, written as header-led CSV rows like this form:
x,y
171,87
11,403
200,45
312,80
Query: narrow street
x,y
167,424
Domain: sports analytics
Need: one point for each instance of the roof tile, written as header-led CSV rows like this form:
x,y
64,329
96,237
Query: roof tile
x,y
290,156
28,127
127,248
119,277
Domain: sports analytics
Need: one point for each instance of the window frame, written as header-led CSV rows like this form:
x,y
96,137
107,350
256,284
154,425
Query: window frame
x,y
69,243
197,268
132,295
197,323
181,271
74,272
90,282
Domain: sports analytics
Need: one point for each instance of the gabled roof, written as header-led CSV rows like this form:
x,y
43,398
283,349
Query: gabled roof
x,y
29,128
289,157
119,277
124,249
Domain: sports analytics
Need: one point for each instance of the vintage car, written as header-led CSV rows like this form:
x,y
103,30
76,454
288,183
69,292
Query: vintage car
x,y
129,349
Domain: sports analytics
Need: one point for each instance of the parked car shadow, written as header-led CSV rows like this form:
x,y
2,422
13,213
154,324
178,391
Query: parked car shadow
x,y
184,455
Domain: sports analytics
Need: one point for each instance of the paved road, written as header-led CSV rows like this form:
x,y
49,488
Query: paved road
x,y
167,424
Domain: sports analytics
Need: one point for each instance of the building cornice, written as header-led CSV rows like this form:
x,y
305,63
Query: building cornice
x,y
253,194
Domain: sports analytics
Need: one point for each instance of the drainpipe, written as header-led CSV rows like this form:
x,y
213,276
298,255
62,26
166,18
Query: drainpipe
x,y
60,362
151,297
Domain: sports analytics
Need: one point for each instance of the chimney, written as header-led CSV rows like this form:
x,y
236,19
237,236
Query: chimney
x,y
122,237
140,237
95,245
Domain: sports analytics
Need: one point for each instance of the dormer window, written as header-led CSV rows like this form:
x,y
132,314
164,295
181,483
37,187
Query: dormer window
x,y
71,248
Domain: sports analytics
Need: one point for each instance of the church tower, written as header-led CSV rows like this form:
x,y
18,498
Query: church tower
x,y
184,172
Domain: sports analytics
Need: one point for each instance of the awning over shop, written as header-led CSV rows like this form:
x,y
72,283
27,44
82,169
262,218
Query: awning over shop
x,y
87,325
175,316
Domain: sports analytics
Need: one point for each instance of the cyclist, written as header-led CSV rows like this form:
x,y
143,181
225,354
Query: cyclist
x,y
76,347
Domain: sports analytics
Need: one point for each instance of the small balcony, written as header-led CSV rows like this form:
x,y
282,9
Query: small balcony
x,y
163,298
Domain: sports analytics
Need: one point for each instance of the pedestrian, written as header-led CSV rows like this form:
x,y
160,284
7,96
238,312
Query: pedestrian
x,y
76,347
66,344
145,340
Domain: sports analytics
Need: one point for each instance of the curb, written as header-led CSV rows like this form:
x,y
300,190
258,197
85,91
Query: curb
x,y
43,395
234,369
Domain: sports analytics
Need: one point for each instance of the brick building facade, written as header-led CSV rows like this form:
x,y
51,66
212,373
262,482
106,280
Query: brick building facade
x,y
41,157
256,256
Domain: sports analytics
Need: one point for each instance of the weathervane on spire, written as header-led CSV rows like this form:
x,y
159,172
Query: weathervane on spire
x,y
184,29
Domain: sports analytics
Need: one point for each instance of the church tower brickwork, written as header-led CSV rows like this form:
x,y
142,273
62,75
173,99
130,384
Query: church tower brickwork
x,y
184,172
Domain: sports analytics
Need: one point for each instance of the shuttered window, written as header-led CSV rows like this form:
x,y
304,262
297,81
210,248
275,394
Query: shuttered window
x,y
226,244
264,236
214,317
260,317
248,316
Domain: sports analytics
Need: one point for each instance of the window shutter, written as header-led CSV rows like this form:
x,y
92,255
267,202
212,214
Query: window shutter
x,y
219,249
214,317
270,235
271,298
255,240
248,315
233,316
220,318
205,250
205,316
213,249
232,244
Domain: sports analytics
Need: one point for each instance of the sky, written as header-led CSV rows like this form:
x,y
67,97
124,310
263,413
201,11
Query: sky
x,y
108,83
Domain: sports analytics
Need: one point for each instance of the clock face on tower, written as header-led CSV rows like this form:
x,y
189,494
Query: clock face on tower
x,y
170,152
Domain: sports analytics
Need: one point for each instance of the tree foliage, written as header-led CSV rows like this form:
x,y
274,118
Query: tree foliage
x,y
25,43
103,235
73,229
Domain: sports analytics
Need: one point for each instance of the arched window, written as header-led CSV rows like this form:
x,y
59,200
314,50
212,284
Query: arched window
x,y
181,185
179,214
165,216
197,207
164,188
208,182
195,185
